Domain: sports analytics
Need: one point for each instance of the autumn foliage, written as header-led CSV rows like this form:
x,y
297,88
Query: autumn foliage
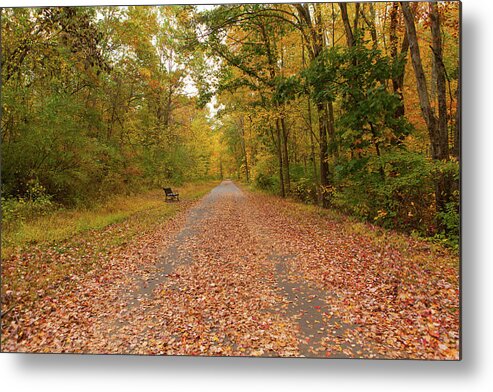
x,y
339,124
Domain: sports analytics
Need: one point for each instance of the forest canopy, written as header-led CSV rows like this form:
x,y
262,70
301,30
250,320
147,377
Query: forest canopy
x,y
351,106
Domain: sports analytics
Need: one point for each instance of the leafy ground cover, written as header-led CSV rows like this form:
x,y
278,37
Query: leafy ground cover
x,y
49,253
238,273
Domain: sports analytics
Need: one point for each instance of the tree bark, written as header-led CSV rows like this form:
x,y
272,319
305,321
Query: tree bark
x,y
315,48
281,131
244,150
279,156
312,143
370,22
446,184
398,80
324,153
424,99
285,155
331,130
310,131
441,82
437,127
347,25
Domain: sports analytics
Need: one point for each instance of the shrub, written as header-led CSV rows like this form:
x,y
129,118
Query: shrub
x,y
36,203
266,182
305,190
400,199
450,219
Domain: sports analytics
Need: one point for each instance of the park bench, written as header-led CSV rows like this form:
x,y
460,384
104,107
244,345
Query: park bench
x,y
170,195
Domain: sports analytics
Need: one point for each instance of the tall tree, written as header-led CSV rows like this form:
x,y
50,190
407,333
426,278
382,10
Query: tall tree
x,y
315,47
398,56
437,125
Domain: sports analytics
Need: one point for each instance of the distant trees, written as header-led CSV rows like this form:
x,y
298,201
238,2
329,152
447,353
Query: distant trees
x,y
437,123
352,106
335,78
94,102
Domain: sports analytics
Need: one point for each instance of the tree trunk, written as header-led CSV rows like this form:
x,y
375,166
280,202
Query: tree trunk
x,y
279,156
347,25
312,142
444,183
331,130
398,80
244,150
424,100
356,17
370,22
437,127
315,48
285,155
324,155
441,82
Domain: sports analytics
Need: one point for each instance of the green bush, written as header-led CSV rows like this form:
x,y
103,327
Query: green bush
x,y
266,182
450,219
403,197
35,204
400,198
305,190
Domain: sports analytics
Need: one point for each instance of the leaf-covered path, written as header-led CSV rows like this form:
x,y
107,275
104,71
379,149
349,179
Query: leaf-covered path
x,y
249,274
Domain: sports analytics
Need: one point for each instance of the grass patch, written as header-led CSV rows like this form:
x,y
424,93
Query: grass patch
x,y
63,224
44,253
